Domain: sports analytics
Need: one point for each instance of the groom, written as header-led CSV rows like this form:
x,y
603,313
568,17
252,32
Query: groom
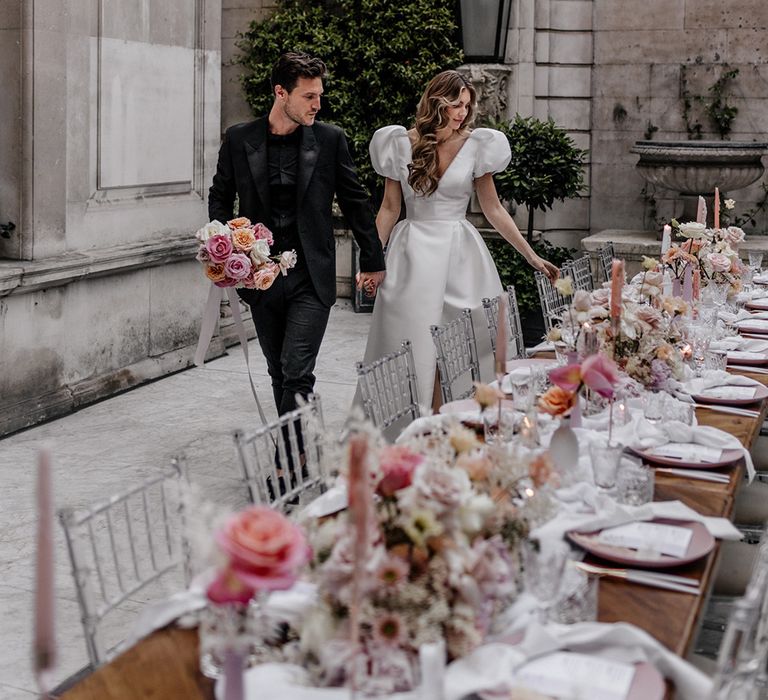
x,y
286,168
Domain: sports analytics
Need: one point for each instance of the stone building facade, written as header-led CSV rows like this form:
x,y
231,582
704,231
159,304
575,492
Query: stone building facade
x,y
110,126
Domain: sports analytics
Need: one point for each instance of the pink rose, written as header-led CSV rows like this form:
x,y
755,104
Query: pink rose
x,y
734,235
266,550
219,247
600,374
397,464
238,266
719,262
261,232
264,277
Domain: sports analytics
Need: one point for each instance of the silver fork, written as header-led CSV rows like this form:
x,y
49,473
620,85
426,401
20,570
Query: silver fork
x,y
670,582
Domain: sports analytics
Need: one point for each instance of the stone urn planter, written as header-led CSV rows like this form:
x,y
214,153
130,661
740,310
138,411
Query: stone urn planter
x,y
695,168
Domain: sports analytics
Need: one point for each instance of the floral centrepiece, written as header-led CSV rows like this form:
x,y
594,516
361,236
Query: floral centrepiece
x,y
441,560
238,254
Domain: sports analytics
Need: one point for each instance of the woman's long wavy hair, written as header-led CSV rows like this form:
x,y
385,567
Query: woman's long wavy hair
x,y
443,91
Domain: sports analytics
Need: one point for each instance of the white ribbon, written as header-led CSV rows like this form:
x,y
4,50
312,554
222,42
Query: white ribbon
x,y
208,326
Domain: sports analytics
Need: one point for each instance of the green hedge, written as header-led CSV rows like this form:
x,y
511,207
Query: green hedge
x,y
380,55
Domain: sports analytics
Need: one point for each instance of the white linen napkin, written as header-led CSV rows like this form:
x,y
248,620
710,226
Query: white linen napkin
x,y
642,435
713,378
545,346
739,342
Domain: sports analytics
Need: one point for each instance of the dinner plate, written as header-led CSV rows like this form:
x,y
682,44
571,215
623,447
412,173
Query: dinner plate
x,y
746,326
736,360
757,305
530,362
647,682
727,459
761,393
469,406
702,542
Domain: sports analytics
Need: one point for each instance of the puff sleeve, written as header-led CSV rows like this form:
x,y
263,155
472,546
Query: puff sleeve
x,y
493,153
386,149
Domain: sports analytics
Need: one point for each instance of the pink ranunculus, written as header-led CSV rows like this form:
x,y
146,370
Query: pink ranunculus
x,y
719,262
265,276
600,374
567,377
266,550
397,464
219,247
228,588
261,232
202,255
238,266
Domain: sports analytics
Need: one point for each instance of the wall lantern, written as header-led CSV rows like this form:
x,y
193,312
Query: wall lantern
x,y
483,25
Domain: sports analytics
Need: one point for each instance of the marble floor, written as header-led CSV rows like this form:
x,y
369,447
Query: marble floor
x,y
114,444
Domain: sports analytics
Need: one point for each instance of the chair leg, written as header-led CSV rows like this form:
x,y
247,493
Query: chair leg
x,y
437,393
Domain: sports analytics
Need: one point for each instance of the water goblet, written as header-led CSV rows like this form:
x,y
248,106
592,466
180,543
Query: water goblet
x,y
522,390
654,406
715,360
756,261
605,463
543,565
577,598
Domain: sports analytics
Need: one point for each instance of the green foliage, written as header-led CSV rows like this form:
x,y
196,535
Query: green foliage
x,y
513,269
380,56
715,105
546,165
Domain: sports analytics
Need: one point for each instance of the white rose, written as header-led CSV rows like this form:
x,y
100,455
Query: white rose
x,y
287,260
474,512
260,252
693,229
212,228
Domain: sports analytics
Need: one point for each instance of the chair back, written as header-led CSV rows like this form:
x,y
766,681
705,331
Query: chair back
x,y
581,272
389,389
281,460
605,256
126,550
457,360
553,304
516,345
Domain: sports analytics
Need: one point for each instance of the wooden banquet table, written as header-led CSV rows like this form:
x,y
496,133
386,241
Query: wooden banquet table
x,y
165,664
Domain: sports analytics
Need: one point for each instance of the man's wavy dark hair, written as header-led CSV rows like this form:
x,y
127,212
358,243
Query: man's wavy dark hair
x,y
294,65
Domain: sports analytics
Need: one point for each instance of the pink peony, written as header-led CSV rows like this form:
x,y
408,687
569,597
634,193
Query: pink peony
x,y
266,550
397,464
719,262
219,247
265,276
734,235
238,266
567,377
600,374
261,232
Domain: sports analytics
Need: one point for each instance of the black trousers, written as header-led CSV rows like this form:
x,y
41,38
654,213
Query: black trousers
x,y
290,323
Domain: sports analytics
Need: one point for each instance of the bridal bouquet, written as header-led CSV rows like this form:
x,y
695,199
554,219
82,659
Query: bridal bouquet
x,y
441,560
237,254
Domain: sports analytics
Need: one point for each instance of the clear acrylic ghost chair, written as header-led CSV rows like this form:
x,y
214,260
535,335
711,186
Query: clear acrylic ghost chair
x,y
389,389
605,256
127,550
281,460
553,304
581,272
515,346
457,360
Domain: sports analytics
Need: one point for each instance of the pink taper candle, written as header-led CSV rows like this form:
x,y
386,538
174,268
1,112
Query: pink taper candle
x,y
501,340
717,208
617,282
45,641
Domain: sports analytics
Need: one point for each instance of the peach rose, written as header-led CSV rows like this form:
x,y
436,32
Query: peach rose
x,y
265,549
215,272
265,276
243,239
239,222
556,401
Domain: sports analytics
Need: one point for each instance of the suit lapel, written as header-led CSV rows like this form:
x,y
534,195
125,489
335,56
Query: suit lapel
x,y
308,152
256,152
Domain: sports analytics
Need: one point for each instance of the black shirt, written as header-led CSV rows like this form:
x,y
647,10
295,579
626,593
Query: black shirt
x,y
283,165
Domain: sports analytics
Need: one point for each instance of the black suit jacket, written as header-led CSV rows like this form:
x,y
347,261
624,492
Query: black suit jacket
x,y
325,168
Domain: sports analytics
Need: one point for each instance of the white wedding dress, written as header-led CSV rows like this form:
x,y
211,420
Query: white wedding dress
x,y
437,262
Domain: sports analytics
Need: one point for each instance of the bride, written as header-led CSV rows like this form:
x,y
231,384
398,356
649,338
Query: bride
x,y
437,262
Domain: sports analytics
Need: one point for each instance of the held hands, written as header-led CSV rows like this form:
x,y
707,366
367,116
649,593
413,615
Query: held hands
x,y
369,281
546,267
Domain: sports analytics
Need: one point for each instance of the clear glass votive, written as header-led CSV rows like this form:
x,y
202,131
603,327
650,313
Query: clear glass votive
x,y
499,427
653,409
634,482
679,411
577,598
605,462
715,359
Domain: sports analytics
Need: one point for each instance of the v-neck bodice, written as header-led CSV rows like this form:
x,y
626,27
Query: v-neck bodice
x,y
485,150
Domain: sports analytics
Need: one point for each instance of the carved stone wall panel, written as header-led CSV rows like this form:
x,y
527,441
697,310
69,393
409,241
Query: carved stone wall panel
x,y
492,83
